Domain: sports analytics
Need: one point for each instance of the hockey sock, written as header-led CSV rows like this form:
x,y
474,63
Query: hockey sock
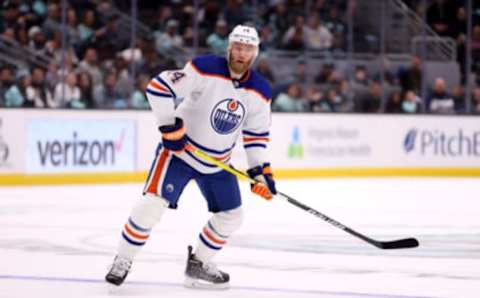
x,y
215,233
145,214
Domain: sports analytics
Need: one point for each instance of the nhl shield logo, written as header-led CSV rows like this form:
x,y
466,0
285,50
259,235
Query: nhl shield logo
x,y
227,115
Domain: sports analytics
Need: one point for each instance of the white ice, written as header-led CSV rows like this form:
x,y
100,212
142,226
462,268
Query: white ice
x,y
58,241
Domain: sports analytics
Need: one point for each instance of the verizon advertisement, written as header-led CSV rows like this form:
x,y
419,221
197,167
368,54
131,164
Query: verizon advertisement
x,y
69,146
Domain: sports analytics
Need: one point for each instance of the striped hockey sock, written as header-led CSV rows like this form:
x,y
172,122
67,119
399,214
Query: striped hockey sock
x,y
133,238
209,243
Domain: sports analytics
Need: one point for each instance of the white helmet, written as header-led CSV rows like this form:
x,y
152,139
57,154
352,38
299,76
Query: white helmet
x,y
246,35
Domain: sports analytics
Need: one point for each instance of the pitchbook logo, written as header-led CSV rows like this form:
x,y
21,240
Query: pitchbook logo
x,y
79,152
441,143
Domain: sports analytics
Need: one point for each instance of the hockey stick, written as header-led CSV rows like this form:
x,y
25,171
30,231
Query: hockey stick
x,y
401,243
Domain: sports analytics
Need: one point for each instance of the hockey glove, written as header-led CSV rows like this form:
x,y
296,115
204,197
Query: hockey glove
x,y
173,136
265,187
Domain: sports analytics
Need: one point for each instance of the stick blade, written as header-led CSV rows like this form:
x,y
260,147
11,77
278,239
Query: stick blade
x,y
397,244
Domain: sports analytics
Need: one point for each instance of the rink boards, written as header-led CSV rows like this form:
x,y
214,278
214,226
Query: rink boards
x,y
60,146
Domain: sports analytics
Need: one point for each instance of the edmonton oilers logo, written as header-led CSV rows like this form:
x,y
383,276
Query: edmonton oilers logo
x,y
227,115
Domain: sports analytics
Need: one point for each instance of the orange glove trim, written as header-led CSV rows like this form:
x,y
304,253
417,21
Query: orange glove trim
x,y
262,190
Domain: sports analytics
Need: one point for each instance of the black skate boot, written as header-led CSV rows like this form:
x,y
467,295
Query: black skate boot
x,y
119,271
204,276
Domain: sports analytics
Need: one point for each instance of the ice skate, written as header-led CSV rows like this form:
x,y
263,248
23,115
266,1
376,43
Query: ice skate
x,y
204,276
119,271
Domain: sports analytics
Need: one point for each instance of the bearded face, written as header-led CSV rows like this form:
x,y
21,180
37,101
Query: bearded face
x,y
241,57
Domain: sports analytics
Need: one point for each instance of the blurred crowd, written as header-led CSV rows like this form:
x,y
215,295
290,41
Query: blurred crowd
x,y
102,68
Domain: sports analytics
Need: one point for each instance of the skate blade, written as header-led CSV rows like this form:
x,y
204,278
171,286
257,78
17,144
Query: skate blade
x,y
193,283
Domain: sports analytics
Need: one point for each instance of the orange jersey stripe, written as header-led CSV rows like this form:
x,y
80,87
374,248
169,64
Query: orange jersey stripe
x,y
158,86
132,233
221,158
212,238
152,187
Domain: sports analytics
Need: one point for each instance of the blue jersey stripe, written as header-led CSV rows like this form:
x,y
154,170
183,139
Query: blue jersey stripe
x,y
200,161
158,93
254,145
203,148
166,85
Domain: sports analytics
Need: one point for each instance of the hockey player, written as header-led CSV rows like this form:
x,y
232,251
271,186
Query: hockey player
x,y
221,100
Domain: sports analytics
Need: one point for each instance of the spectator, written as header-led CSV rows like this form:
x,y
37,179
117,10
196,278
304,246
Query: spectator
x,y
138,99
343,89
291,101
411,78
476,100
337,27
208,15
235,12
124,83
476,50
359,85
38,95
53,75
16,95
89,64
37,40
264,69
440,101
169,43
411,103
458,95
52,23
106,95
6,81
9,16
86,89
441,16
369,102
326,74
294,37
315,100
218,40
53,48
300,75
267,38
73,34
86,28
110,39
9,34
394,104
68,94
279,21
317,36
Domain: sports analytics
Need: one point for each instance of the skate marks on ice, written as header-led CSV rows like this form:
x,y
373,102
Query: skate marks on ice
x,y
165,289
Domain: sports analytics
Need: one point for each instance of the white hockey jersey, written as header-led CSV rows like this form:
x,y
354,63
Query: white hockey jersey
x,y
215,108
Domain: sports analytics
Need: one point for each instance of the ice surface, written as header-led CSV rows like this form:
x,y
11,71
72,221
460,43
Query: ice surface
x,y
59,241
